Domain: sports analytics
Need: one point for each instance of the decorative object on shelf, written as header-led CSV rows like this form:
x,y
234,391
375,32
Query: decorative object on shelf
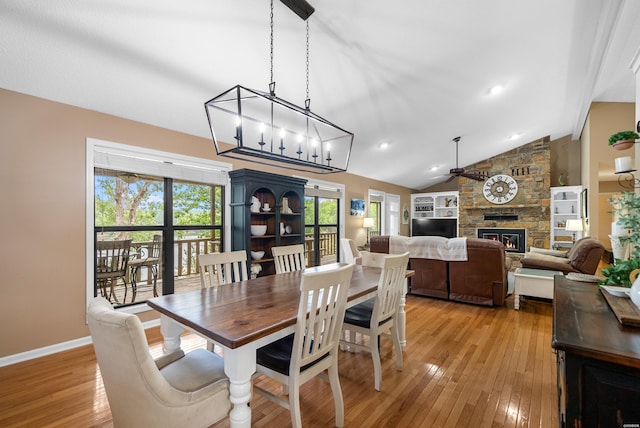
x,y
574,225
623,164
285,206
255,205
255,268
266,207
367,223
283,229
405,214
265,129
623,140
288,229
257,255
500,189
258,229
562,180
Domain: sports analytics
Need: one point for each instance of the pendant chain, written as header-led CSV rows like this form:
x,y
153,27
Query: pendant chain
x,y
307,59
271,81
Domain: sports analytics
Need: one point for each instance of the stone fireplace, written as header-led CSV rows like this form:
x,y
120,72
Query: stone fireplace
x,y
528,212
514,240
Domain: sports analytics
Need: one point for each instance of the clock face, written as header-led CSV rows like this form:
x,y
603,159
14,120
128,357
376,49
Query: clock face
x,y
500,189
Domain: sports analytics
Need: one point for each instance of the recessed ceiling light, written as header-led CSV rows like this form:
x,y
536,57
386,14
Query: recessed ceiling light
x,y
434,168
384,145
495,90
515,136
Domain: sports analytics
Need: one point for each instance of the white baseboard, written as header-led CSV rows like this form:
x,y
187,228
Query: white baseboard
x,y
58,347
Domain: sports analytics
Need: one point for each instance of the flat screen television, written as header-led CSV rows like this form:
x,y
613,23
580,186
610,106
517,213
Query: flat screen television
x,y
446,227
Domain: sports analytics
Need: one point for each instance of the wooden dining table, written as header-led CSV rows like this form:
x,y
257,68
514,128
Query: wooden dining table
x,y
244,316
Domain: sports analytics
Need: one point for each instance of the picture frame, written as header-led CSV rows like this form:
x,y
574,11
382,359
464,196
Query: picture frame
x,y
405,214
357,207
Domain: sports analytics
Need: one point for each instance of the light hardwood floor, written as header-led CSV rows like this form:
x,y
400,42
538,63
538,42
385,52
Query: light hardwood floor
x,y
464,366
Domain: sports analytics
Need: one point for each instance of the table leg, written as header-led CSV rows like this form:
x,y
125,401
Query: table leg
x,y
171,332
516,301
402,317
239,366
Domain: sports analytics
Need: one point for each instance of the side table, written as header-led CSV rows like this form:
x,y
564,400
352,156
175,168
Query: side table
x,y
534,283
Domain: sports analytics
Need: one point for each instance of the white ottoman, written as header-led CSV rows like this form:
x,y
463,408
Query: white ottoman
x,y
534,283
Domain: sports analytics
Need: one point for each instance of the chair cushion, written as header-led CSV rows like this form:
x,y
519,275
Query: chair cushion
x,y
360,314
557,253
277,355
194,371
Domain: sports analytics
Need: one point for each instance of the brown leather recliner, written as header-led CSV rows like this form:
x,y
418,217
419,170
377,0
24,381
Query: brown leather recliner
x,y
583,257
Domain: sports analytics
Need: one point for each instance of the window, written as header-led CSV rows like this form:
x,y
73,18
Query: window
x,y
324,218
170,207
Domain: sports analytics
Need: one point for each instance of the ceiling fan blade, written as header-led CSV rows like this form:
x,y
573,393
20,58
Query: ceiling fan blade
x,y
472,176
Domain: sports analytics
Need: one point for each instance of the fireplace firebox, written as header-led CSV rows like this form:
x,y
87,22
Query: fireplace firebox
x,y
514,240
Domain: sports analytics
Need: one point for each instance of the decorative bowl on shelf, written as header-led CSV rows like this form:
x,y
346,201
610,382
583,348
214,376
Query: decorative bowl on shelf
x,y
257,255
258,229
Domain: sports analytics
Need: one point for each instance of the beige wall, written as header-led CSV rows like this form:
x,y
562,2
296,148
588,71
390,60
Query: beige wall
x,y
603,120
42,259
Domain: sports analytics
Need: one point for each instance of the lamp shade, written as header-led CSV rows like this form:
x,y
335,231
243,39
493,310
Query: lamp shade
x,y
574,225
367,222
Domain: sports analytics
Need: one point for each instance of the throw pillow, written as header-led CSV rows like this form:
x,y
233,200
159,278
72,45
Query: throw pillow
x,y
557,253
547,258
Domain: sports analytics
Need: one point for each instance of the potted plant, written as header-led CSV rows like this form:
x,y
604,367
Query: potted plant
x,y
626,207
623,140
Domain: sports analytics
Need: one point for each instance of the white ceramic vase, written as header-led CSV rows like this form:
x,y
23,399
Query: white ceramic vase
x,y
635,287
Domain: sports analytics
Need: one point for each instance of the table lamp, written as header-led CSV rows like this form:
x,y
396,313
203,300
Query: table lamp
x,y
367,223
574,225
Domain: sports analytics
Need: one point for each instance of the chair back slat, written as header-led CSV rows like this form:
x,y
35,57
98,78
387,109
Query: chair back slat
x,y
222,268
390,286
288,258
321,310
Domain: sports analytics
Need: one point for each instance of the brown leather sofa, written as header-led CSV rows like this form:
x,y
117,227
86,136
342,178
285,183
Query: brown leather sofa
x,y
583,257
482,279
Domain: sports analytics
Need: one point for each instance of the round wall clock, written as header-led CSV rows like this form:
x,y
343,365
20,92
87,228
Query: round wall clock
x,y
500,189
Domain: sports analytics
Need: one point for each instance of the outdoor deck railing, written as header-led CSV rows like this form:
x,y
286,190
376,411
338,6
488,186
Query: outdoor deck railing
x,y
187,250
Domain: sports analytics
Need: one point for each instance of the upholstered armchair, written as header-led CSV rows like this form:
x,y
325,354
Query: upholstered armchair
x,y
583,257
350,253
175,390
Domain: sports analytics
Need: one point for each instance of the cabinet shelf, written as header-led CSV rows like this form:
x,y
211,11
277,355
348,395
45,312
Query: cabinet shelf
x,y
565,205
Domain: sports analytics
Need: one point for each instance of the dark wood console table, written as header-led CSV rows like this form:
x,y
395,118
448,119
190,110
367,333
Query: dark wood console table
x,y
598,359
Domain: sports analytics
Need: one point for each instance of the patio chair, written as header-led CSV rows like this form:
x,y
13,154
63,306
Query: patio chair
x,y
288,258
112,258
313,347
151,261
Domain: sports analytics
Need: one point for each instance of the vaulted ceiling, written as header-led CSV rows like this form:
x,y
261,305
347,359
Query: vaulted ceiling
x,y
413,74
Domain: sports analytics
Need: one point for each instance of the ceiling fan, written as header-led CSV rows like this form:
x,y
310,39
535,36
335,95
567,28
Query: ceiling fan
x,y
459,172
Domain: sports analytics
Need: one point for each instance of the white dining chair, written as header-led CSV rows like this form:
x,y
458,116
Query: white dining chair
x,y
176,389
288,258
376,316
313,347
222,268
